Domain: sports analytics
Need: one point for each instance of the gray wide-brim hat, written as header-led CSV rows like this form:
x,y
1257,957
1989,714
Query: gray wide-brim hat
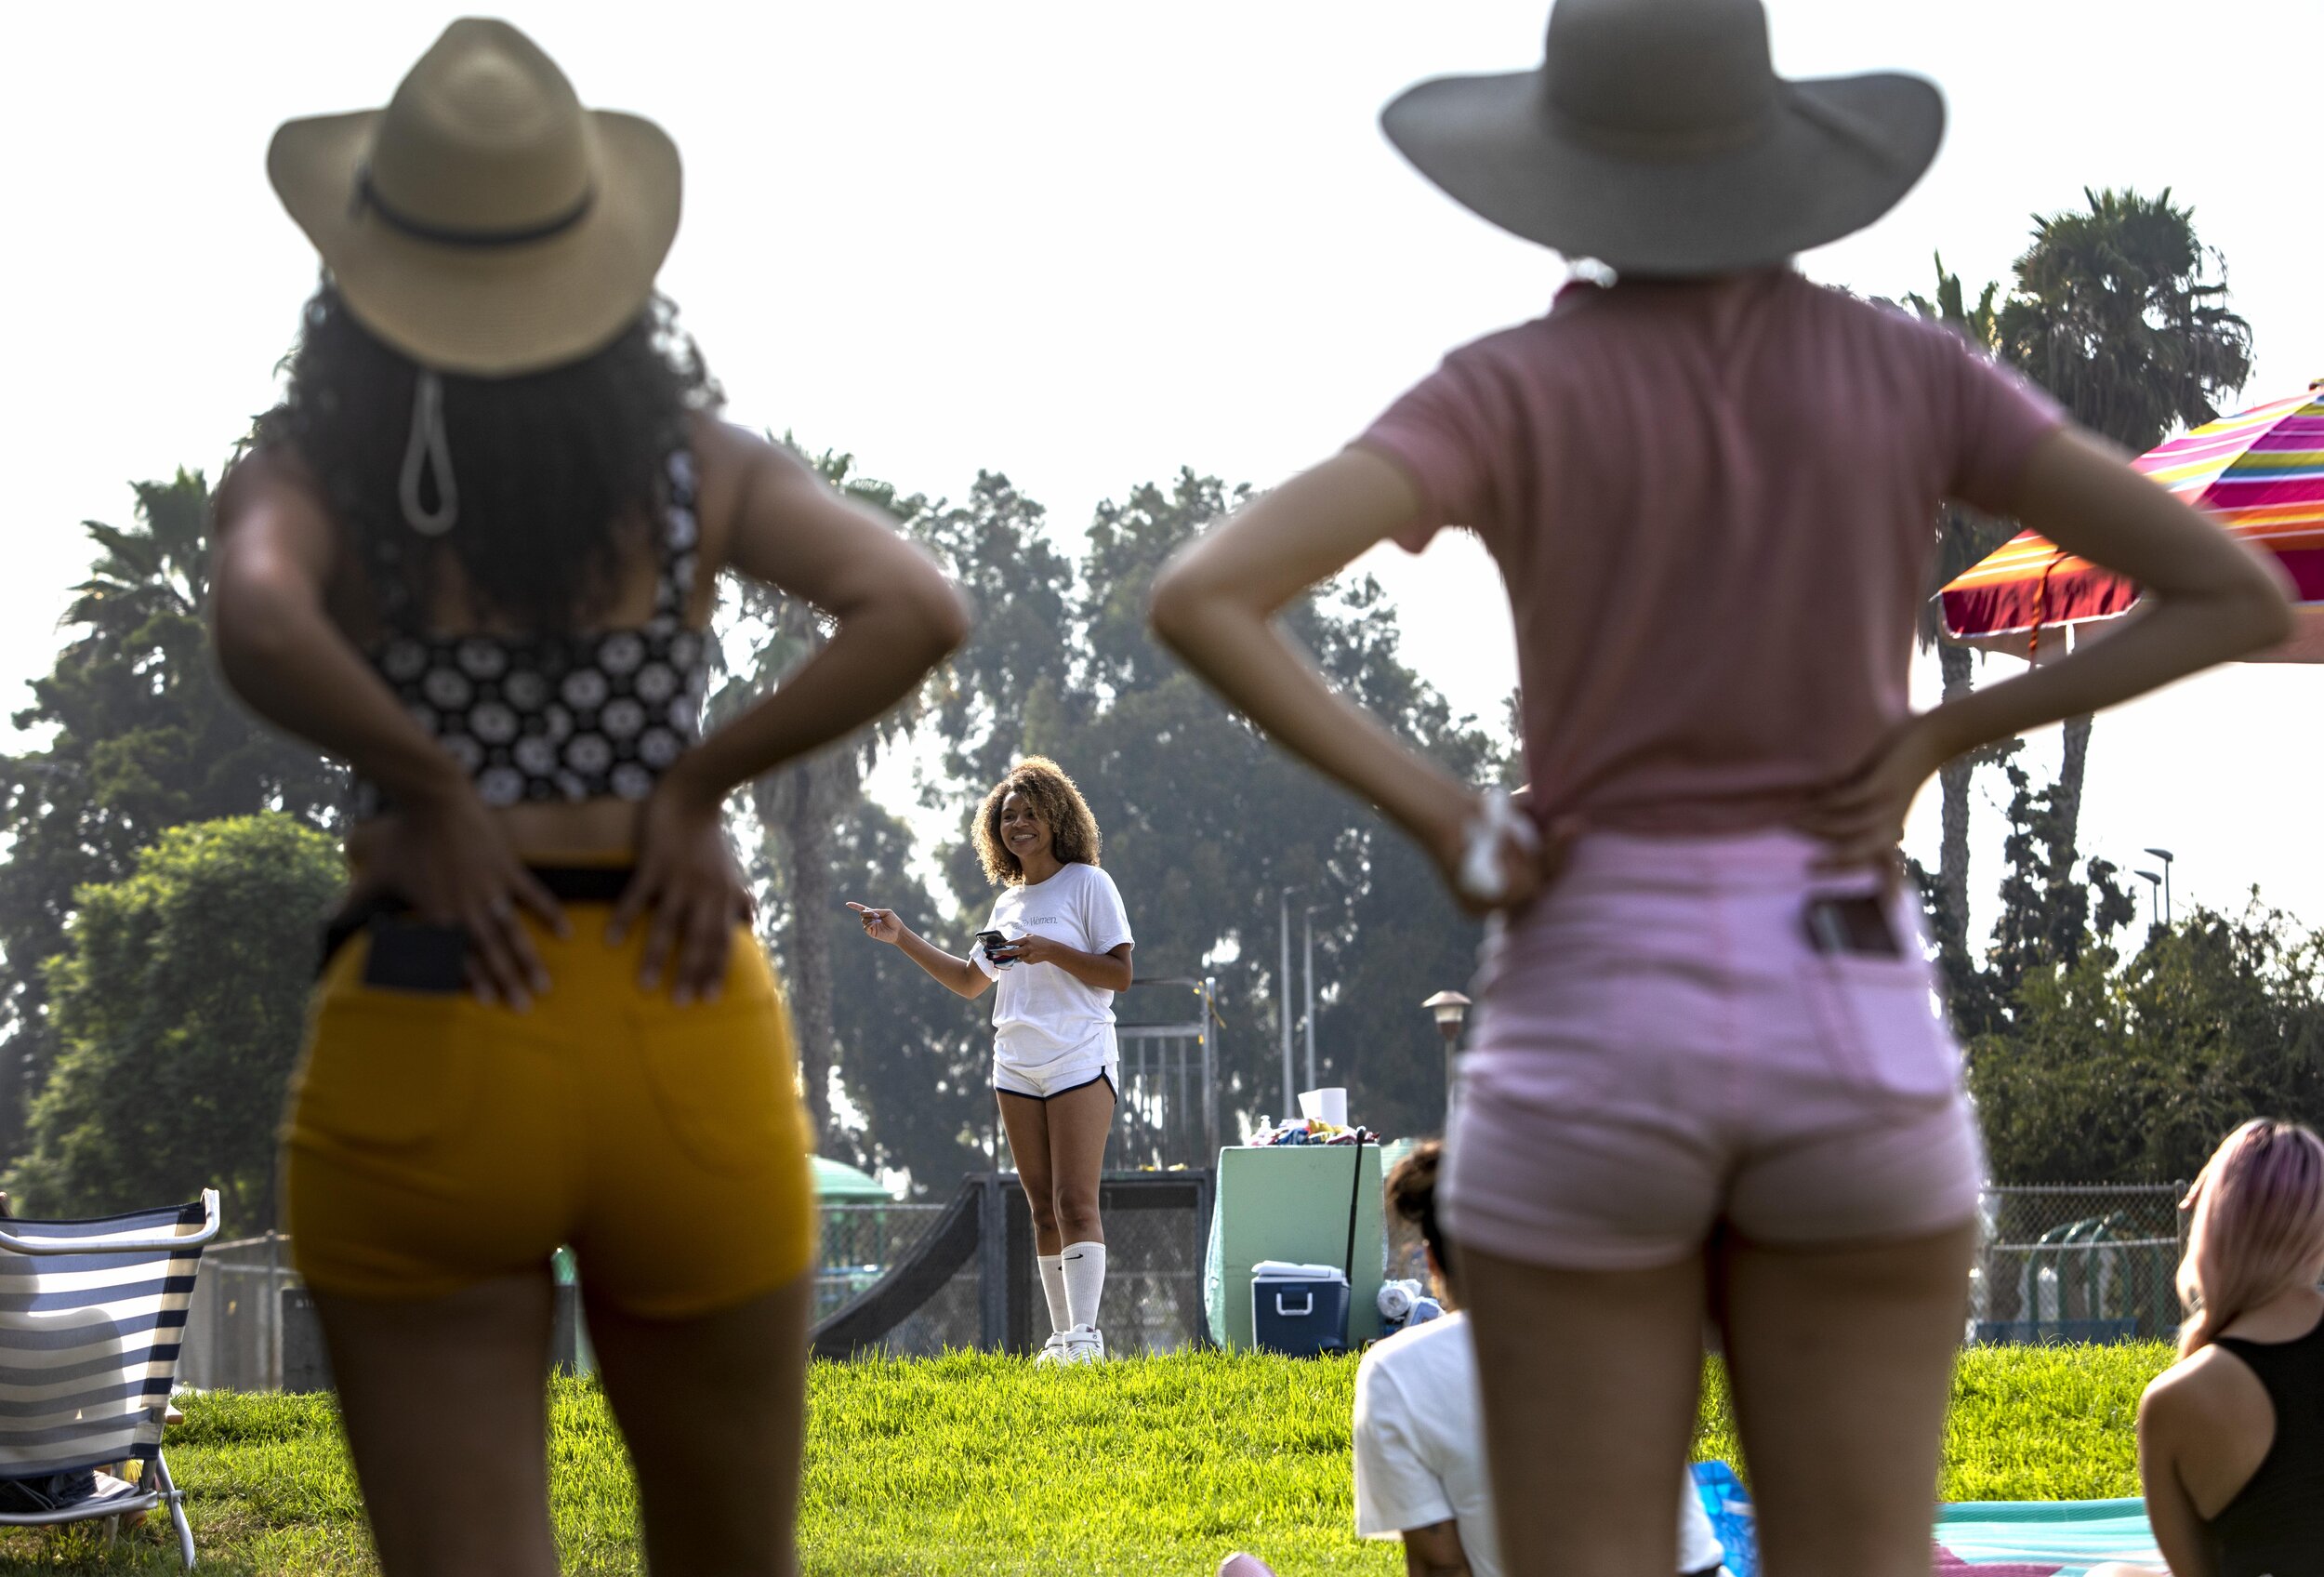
x,y
484,222
1656,137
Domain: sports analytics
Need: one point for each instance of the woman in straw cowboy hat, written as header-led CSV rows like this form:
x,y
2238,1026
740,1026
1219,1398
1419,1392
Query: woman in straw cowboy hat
x,y
1705,1069
472,553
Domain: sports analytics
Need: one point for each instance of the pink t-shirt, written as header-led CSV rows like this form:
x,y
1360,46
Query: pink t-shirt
x,y
1715,506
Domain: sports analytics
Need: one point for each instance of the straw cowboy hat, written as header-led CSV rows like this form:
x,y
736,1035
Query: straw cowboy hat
x,y
1656,137
484,222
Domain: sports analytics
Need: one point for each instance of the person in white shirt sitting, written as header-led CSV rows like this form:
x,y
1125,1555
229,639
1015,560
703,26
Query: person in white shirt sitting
x,y
1419,1436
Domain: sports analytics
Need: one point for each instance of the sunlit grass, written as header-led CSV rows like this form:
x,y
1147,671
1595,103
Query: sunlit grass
x,y
976,1464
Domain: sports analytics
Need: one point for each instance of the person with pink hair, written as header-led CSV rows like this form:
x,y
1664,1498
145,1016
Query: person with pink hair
x,y
2231,1437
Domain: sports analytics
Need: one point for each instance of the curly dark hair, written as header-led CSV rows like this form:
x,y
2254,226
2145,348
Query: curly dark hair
x,y
1073,836
561,473
1411,1189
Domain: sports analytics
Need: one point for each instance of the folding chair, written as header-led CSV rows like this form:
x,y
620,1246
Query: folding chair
x,y
91,1317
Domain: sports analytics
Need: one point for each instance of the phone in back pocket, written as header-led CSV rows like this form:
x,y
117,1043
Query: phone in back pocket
x,y
409,955
1854,923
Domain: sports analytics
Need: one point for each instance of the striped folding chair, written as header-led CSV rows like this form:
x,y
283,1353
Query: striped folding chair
x,y
91,1316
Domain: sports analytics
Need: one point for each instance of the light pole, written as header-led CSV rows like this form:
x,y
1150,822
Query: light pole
x,y
1448,1008
2154,885
1307,920
1283,1004
2166,857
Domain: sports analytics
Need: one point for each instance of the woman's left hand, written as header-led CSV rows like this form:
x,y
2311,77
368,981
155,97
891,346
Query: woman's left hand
x,y
688,880
1030,949
1526,869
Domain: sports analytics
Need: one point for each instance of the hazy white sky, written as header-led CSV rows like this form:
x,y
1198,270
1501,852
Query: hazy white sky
x,y
1085,244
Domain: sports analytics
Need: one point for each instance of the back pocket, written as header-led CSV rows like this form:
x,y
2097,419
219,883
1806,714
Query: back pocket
x,y
389,1071
1880,1024
724,1080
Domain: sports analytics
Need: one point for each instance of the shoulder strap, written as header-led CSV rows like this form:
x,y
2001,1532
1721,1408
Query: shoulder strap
x,y
679,539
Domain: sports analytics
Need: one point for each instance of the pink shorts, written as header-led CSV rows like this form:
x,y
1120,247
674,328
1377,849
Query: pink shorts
x,y
1661,1050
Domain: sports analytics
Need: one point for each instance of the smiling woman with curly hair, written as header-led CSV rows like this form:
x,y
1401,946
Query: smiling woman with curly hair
x,y
1073,836
1054,1055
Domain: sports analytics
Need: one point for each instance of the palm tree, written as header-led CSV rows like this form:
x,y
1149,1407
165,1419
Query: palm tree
x,y
2116,314
800,804
1964,535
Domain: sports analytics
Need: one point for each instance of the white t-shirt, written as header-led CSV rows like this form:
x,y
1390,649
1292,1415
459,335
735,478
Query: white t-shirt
x,y
1420,1448
1046,1023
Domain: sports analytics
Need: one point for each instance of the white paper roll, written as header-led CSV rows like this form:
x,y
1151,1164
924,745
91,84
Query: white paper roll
x,y
1326,1106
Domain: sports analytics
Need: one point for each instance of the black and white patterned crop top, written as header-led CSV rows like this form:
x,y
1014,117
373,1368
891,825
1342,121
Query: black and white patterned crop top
x,y
557,718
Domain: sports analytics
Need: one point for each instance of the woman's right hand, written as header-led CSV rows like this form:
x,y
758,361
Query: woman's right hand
x,y
447,857
1528,866
880,925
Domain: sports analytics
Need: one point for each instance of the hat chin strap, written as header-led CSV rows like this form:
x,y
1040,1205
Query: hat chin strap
x,y
428,445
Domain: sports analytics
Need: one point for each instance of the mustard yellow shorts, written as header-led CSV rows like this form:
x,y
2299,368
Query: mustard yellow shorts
x,y
434,1142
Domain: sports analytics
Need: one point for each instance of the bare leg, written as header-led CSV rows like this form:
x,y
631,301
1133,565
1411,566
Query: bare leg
x,y
1591,1410
714,1410
1079,1124
1027,1122
445,1406
1842,1362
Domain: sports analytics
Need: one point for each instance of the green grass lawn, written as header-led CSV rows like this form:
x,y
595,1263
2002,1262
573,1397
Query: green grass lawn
x,y
975,1465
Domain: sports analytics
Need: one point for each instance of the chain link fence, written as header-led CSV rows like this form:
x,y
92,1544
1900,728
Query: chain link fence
x,y
860,1241
233,1338
1154,1235
2063,1263
2078,1262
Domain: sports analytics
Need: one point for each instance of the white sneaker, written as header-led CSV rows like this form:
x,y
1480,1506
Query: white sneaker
x,y
1052,1351
1083,1345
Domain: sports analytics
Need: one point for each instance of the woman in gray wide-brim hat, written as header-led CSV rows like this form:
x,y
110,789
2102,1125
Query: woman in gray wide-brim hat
x,y
1705,1070
474,553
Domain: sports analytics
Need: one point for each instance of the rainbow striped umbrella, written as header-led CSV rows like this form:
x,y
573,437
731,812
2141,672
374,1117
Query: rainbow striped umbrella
x,y
2259,474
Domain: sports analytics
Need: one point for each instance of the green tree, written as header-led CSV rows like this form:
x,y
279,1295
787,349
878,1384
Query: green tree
x,y
2120,311
799,804
1964,537
1206,822
918,1060
179,1007
2132,1071
140,736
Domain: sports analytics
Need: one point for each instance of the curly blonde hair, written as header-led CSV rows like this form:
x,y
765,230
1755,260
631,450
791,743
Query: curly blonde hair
x,y
1072,831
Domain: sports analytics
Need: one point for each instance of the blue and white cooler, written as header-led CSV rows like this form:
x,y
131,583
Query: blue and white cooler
x,y
1298,1309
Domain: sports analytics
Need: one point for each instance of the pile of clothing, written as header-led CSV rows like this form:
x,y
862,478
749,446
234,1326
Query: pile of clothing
x,y
1310,1131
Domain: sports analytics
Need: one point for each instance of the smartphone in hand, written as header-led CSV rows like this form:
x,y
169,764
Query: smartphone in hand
x,y
988,940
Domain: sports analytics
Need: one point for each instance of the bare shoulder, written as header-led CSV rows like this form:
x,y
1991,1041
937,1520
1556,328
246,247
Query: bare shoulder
x,y
268,515
722,446
2212,1391
271,480
733,466
733,463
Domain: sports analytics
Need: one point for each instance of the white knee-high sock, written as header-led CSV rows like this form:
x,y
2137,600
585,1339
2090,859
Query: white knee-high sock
x,y
1084,1268
1053,1289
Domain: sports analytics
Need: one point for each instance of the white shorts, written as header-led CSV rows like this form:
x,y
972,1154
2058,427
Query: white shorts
x,y
1011,1080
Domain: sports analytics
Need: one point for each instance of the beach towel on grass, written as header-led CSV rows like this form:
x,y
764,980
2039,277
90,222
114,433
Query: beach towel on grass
x,y
2042,1538
1974,1538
